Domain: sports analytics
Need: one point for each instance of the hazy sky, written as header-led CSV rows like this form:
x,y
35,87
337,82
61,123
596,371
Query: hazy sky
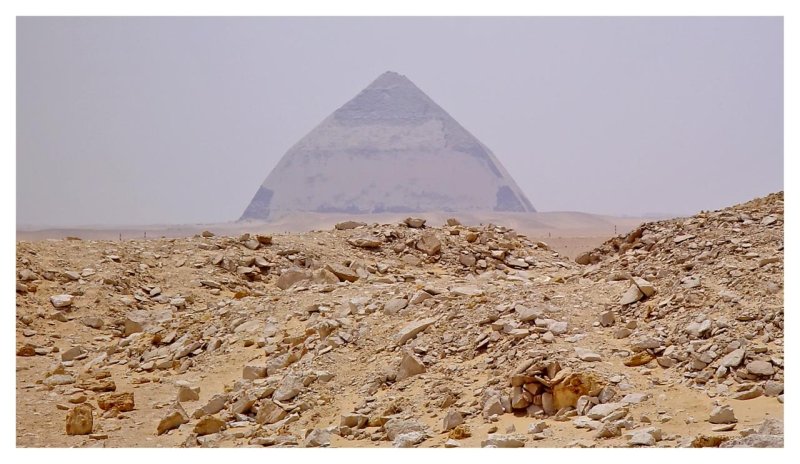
x,y
179,120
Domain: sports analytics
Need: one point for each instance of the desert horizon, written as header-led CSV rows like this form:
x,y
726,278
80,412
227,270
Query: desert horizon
x,y
367,232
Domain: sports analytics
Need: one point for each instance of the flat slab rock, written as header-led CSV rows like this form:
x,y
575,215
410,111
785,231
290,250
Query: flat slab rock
x,y
412,329
495,440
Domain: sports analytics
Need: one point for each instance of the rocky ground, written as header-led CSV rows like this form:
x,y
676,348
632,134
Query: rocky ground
x,y
407,335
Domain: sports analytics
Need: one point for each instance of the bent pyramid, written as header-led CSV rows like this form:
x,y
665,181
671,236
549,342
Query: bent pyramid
x,y
389,149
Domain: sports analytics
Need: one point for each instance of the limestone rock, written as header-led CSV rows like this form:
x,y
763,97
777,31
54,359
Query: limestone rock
x,y
318,438
187,393
396,427
290,386
602,410
429,244
733,359
722,415
174,419
269,413
291,277
451,420
123,402
61,301
208,425
632,295
394,305
587,355
409,440
80,420
645,287
347,225
494,440
412,329
365,241
410,365
526,314
762,368
342,272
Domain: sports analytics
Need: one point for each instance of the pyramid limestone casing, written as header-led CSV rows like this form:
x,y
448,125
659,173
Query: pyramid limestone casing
x,y
389,149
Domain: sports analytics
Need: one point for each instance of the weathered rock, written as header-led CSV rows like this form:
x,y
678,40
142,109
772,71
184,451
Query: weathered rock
x,y
208,425
122,402
73,353
269,413
415,223
412,329
347,225
356,421
26,350
526,314
644,286
639,359
733,359
602,410
467,260
396,427
495,440
493,406
608,430
632,295
213,406
762,368
410,365
394,305
642,439
318,438
665,362
291,277
451,420
607,318
409,440
773,388
722,415
59,379
290,386
699,329
250,372
429,244
80,420
754,392
683,238
61,301
558,327
365,241
635,398
324,276
174,419
466,290
187,393
548,404
342,272
93,322
587,355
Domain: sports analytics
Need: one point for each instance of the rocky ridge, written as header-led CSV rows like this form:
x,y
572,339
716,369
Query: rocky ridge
x,y
404,335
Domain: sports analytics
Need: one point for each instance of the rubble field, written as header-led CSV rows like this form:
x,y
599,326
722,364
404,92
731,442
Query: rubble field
x,y
407,335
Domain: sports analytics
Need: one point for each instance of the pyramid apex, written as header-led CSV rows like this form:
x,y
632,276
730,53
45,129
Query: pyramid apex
x,y
390,79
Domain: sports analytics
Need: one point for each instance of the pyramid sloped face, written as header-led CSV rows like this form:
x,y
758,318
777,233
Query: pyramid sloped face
x,y
389,149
